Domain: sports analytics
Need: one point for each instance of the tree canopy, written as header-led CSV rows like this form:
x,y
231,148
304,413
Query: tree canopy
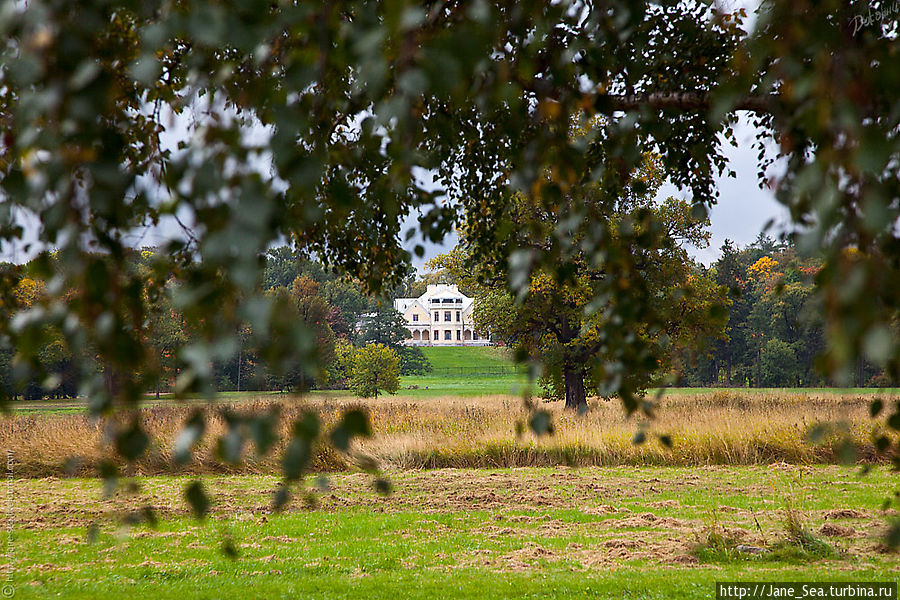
x,y
571,320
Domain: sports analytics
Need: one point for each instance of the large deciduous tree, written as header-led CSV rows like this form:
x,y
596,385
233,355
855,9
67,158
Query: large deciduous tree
x,y
376,368
570,320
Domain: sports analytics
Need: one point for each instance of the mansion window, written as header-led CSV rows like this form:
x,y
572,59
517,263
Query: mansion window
x,y
447,334
447,315
457,317
457,335
415,317
437,317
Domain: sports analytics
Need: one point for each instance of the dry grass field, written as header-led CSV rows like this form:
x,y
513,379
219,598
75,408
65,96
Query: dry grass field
x,y
721,428
475,510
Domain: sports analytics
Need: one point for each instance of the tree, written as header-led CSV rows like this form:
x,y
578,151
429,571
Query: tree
x,y
384,326
314,313
341,368
387,326
349,299
413,361
559,320
375,368
778,364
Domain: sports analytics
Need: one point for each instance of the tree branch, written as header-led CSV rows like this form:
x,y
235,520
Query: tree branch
x,y
689,101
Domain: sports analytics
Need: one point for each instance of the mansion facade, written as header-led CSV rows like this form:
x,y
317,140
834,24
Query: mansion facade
x,y
442,316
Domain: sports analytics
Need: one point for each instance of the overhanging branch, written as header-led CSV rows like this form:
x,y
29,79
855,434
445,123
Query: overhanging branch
x,y
688,101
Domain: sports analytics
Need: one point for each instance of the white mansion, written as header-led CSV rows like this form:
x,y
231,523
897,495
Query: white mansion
x,y
442,316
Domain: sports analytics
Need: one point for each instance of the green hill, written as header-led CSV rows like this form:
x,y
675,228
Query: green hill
x,y
467,356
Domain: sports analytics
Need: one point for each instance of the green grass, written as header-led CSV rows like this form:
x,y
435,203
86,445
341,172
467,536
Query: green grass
x,y
462,385
482,544
467,356
458,385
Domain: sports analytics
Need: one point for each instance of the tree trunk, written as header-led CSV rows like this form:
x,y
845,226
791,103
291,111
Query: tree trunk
x,y
575,389
759,367
240,359
861,372
728,373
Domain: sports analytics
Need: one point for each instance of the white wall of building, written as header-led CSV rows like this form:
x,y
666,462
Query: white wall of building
x,y
442,316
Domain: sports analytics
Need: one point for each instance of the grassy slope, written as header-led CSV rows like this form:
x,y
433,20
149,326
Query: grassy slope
x,y
467,356
464,385
363,546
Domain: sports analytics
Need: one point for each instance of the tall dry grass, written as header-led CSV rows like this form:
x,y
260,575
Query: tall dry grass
x,y
717,428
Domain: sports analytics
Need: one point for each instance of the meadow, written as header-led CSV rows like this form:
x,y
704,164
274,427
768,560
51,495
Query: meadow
x,y
458,533
710,428
478,507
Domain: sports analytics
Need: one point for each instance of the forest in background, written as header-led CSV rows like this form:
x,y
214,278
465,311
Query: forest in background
x,y
774,337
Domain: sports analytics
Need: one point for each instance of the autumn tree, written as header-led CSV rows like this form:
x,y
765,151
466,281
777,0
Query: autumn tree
x,y
566,321
376,368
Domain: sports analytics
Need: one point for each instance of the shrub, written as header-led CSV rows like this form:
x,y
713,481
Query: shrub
x,y
413,361
375,367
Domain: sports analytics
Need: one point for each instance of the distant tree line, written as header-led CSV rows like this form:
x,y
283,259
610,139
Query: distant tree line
x,y
775,336
337,317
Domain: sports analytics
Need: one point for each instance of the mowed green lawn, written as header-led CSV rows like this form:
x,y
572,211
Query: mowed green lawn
x,y
475,376
468,356
521,533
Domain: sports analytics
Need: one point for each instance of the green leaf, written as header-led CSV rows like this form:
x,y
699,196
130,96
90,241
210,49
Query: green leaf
x,y
262,430
296,457
876,407
93,533
197,499
192,433
383,486
307,426
817,433
149,516
541,423
109,471
281,498
231,445
229,549
132,442
894,421
892,537
354,423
